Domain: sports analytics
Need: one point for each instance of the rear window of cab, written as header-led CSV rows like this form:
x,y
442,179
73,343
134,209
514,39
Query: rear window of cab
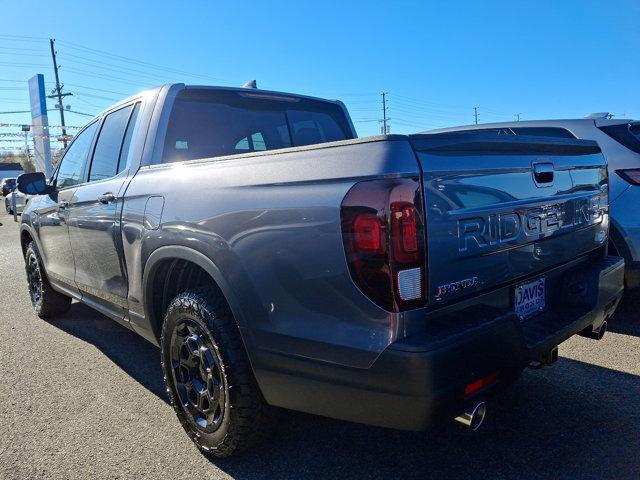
x,y
212,123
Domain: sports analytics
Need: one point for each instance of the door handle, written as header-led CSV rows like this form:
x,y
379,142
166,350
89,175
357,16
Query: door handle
x,y
62,205
543,173
107,198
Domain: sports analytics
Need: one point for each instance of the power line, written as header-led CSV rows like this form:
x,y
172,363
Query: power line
x,y
22,65
87,102
21,37
426,102
22,49
80,113
96,89
425,113
99,97
97,52
22,54
119,70
5,124
15,111
107,77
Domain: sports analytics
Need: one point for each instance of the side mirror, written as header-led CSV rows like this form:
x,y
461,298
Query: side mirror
x,y
33,184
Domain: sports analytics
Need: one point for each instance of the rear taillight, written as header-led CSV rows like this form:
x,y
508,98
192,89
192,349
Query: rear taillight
x,y
631,175
383,234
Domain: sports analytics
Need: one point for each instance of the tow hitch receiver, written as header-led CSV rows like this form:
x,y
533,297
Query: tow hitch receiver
x,y
548,359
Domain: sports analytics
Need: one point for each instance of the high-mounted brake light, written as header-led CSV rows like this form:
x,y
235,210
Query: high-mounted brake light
x,y
383,234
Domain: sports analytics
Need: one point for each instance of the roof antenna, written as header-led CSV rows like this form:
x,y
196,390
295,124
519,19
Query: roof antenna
x,y
250,84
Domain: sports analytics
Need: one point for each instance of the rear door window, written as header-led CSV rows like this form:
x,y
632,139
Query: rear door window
x,y
106,155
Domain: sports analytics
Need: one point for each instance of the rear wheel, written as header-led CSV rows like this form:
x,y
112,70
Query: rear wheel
x,y
208,376
45,300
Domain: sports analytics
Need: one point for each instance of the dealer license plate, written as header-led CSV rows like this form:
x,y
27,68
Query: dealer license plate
x,y
529,298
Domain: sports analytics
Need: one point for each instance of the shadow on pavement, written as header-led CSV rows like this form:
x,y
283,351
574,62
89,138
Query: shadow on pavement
x,y
131,352
574,421
626,319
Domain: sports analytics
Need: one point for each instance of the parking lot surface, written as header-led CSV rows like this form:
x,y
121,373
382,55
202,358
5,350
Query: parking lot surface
x,y
82,397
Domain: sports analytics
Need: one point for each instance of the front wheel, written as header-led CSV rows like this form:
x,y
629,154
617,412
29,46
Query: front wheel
x,y
208,376
45,300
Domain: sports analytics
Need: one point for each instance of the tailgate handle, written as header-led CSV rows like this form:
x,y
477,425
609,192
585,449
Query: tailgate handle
x,y
543,173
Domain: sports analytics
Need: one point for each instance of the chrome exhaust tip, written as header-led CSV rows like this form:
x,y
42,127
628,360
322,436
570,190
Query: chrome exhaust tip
x,y
474,417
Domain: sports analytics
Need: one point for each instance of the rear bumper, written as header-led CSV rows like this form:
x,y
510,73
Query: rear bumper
x,y
422,378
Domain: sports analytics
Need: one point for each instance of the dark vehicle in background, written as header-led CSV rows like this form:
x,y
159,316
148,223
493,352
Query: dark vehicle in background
x,y
619,140
278,260
7,185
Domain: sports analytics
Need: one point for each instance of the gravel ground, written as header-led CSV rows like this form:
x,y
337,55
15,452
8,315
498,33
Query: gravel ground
x,y
82,397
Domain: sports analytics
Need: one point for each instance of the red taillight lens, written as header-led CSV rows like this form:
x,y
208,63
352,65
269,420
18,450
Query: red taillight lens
x,y
367,233
383,233
631,175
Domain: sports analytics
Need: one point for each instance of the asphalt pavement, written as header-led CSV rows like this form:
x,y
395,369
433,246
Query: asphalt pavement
x,y
82,397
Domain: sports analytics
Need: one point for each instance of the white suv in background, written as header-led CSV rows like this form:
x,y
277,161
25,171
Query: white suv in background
x,y
21,202
619,140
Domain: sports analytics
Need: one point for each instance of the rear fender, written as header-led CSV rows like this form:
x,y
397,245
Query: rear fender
x,y
184,253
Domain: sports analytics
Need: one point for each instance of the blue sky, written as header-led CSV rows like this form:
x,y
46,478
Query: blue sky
x,y
437,60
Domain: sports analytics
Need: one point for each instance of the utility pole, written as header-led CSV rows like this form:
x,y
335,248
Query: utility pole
x,y
475,114
57,92
518,117
384,129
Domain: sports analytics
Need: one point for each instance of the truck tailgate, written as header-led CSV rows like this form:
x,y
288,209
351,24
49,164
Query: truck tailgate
x,y
502,210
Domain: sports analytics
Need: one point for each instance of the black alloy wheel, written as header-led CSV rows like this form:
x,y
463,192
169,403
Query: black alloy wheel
x,y
198,375
34,279
46,301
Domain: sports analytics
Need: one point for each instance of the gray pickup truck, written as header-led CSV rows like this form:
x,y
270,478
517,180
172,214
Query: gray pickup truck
x,y
278,260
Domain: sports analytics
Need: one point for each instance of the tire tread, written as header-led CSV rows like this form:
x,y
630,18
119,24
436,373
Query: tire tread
x,y
53,302
249,412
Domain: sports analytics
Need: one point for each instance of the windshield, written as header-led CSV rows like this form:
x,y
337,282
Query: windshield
x,y
210,123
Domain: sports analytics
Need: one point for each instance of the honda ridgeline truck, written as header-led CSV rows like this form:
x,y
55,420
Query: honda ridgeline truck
x,y
278,260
